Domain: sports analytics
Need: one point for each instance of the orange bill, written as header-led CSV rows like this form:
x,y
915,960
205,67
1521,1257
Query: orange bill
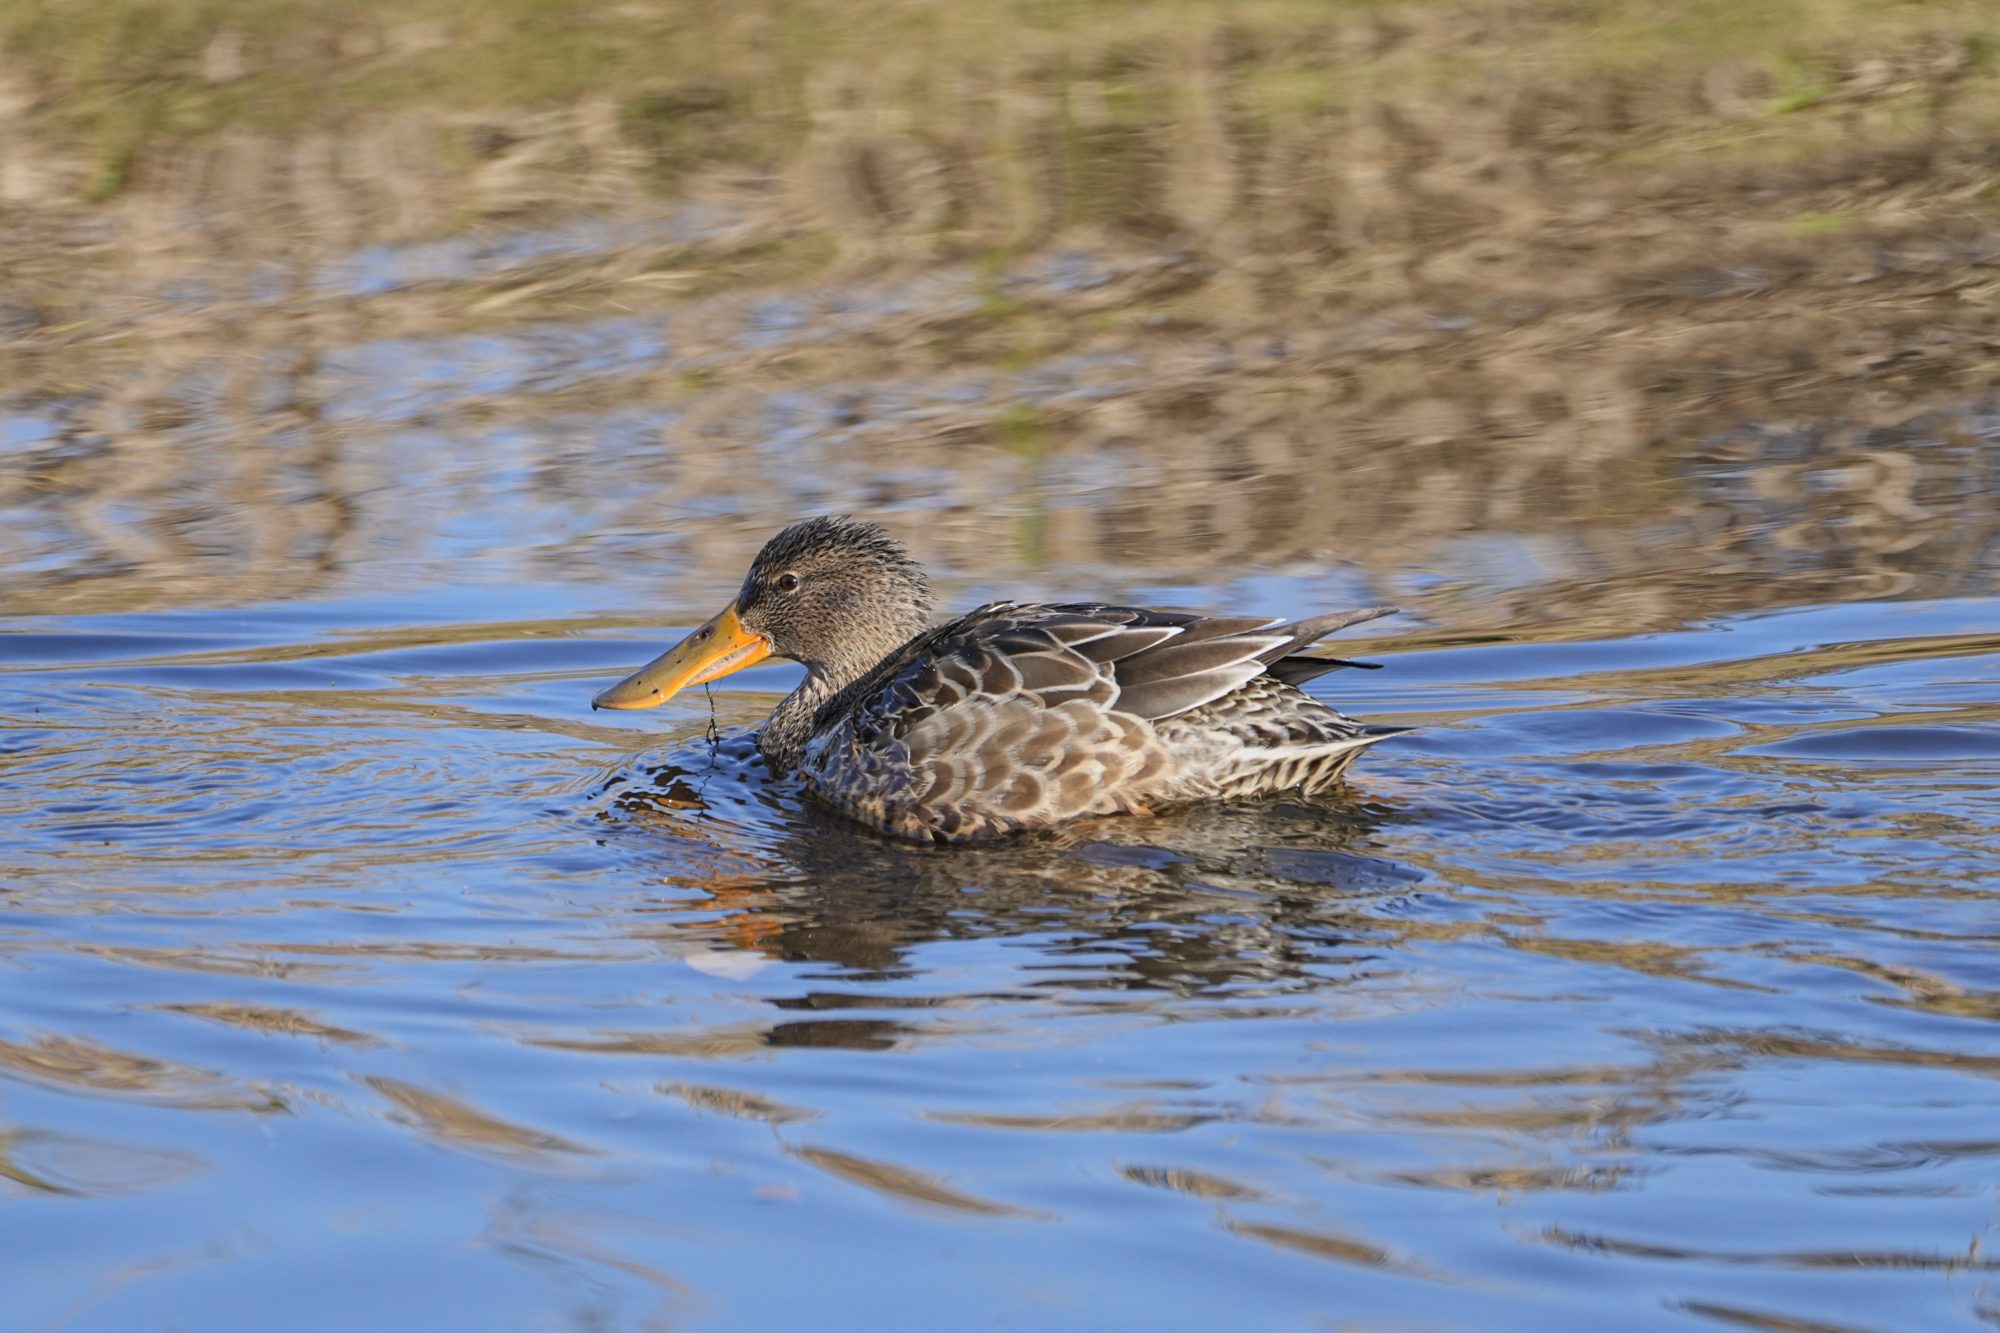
x,y
710,653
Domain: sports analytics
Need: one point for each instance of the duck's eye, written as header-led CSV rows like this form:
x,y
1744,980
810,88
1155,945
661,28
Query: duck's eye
x,y
786,582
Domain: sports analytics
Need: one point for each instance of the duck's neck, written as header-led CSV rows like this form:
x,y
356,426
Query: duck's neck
x,y
783,737
881,636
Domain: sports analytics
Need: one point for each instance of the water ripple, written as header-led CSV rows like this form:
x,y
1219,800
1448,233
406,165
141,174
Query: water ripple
x,y
1712,925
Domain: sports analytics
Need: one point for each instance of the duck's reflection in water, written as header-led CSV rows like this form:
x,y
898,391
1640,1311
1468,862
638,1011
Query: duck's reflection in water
x,y
1258,898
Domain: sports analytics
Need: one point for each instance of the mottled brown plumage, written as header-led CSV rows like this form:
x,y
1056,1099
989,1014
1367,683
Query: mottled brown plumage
x,y
1013,716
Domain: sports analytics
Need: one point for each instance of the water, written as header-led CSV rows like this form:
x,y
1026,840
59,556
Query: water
x,y
1652,983
351,969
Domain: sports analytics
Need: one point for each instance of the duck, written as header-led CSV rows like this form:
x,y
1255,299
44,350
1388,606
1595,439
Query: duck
x,y
1016,716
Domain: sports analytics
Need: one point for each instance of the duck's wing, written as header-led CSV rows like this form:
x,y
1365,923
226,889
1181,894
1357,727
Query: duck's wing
x,y
1140,661
1160,664
1133,660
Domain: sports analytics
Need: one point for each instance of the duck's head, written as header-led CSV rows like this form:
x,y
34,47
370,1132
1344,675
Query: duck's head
x,y
835,594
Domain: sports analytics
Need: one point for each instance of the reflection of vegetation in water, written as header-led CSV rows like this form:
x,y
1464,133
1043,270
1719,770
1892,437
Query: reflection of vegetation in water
x,y
1183,288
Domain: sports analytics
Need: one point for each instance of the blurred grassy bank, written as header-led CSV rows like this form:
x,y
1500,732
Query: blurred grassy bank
x,y
1503,161
1077,99
1260,271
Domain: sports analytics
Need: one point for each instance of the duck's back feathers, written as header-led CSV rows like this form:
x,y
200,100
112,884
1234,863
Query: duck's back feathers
x,y
1019,716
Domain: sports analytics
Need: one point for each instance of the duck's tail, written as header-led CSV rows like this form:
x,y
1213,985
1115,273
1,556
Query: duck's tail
x,y
1284,662
1307,767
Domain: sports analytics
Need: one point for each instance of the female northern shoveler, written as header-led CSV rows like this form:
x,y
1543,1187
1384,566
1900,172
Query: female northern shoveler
x,y
1014,716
